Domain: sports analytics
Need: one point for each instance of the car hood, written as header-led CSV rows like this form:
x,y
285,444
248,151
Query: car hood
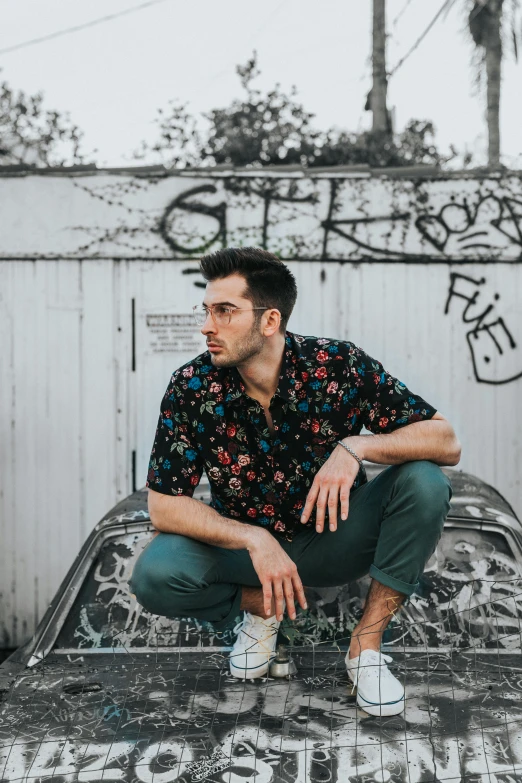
x,y
161,716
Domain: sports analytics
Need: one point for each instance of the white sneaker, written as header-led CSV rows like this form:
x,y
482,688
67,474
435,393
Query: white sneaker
x,y
254,647
378,691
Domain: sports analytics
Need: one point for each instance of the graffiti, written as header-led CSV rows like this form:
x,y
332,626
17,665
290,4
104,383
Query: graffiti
x,y
203,768
106,614
278,192
167,223
490,342
347,227
262,192
461,230
164,713
324,216
481,227
129,516
471,592
271,731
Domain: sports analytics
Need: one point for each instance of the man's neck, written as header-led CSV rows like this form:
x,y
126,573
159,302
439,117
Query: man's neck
x,y
261,374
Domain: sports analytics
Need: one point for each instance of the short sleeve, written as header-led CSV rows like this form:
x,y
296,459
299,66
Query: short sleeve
x,y
386,404
175,465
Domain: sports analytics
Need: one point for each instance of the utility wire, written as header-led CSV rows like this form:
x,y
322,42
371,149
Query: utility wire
x,y
406,5
261,29
78,27
252,40
445,7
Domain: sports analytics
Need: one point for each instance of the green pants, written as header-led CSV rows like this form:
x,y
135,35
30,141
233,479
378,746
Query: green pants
x,y
393,526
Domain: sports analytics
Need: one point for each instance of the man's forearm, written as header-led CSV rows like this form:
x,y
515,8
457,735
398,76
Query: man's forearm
x,y
192,518
431,440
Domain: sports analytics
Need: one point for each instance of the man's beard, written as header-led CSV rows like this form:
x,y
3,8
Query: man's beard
x,y
248,347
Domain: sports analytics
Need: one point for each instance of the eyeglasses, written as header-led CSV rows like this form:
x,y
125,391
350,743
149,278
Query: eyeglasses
x,y
221,314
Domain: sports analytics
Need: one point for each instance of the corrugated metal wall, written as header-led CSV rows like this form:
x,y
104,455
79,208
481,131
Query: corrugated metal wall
x,y
91,332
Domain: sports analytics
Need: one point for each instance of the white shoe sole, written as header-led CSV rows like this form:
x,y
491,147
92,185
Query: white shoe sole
x,y
250,673
382,710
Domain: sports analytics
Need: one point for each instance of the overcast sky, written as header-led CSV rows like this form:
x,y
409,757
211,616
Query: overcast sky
x,y
113,77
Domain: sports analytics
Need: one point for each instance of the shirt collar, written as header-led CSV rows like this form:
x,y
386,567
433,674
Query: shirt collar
x,y
235,388
285,388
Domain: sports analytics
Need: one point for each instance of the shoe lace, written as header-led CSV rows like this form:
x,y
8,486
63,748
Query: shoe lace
x,y
249,628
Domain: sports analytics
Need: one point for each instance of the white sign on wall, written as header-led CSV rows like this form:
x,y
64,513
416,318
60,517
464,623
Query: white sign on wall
x,y
172,333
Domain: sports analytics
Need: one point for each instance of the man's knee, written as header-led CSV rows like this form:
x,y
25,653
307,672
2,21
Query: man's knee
x,y
426,486
165,578
148,580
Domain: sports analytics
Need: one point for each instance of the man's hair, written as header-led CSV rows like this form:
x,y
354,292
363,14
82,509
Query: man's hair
x,y
269,282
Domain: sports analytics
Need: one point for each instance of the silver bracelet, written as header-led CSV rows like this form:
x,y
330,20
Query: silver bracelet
x,y
352,452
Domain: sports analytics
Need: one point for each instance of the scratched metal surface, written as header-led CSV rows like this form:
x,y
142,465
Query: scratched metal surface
x,y
471,568
168,717
471,592
127,696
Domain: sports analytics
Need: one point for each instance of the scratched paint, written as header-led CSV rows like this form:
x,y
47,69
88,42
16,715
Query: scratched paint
x,y
166,709
471,592
165,720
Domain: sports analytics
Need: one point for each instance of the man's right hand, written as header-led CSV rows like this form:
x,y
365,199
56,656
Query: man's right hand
x,y
277,573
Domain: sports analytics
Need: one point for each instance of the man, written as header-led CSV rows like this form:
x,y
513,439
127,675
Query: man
x,y
274,419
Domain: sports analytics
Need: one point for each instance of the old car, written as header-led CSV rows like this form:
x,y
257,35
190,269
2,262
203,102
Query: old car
x,y
106,691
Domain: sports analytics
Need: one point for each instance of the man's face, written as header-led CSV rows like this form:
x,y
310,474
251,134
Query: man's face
x,y
240,340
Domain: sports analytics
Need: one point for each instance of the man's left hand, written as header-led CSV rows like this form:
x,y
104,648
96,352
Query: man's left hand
x,y
331,484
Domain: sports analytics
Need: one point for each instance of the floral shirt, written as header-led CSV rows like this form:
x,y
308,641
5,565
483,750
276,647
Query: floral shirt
x,y
328,389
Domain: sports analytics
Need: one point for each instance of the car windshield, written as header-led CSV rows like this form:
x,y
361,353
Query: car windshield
x,y
471,592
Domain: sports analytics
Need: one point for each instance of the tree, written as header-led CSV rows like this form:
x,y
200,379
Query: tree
x,y
487,28
259,130
273,129
180,140
33,136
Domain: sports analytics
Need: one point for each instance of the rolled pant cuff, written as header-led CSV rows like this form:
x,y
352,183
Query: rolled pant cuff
x,y
228,621
391,581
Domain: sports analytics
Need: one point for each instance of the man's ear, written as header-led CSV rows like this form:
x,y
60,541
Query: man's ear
x,y
272,322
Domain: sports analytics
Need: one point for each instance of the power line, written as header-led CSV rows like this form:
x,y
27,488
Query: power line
x,y
261,29
445,7
404,8
83,26
253,38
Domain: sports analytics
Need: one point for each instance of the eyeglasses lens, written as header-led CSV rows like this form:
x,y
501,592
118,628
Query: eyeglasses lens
x,y
221,315
200,315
